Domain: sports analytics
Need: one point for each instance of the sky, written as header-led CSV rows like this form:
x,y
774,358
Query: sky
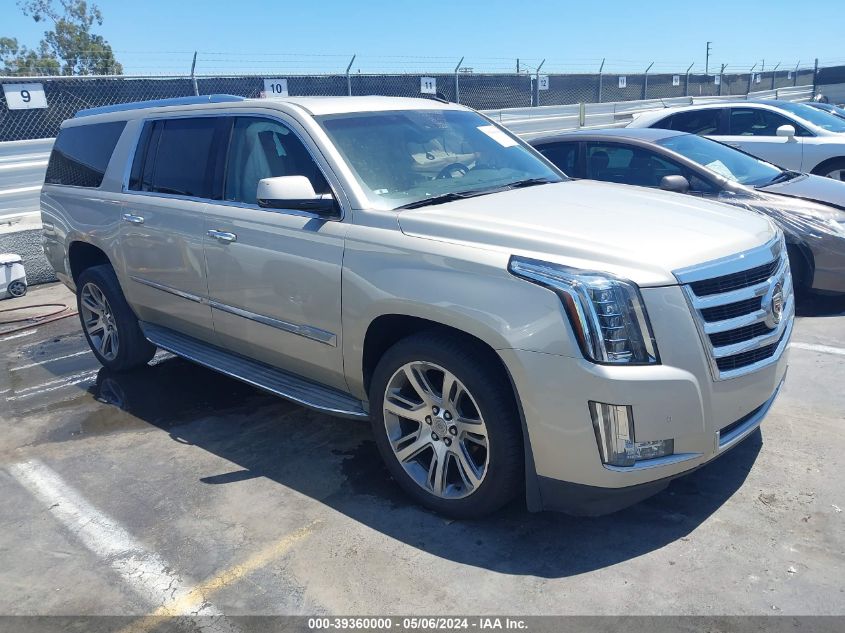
x,y
159,36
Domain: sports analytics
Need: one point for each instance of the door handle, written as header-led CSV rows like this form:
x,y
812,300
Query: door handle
x,y
133,219
222,236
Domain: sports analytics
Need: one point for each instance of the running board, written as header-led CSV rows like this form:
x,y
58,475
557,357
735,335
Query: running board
x,y
276,381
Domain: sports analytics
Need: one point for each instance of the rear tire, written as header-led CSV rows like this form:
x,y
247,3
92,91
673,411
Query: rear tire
x,y
109,325
461,455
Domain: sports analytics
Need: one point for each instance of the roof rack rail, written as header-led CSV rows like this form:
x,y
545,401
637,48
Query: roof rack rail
x,y
159,103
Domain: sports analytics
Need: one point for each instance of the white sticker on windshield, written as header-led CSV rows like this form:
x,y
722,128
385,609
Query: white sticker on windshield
x,y
497,135
720,168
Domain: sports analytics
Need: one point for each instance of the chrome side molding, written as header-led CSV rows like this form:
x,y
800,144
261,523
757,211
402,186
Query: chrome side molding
x,y
307,331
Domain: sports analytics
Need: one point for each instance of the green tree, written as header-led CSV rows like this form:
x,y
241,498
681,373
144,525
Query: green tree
x,y
69,48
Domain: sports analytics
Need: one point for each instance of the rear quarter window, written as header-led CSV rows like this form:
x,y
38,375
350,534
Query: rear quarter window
x,y
81,154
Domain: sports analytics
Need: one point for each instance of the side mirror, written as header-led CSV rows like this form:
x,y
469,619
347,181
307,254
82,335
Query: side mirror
x,y
678,184
294,192
786,130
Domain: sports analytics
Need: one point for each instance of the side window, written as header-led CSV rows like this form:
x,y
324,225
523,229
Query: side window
x,y
263,148
176,156
759,122
693,121
183,157
563,155
631,165
81,154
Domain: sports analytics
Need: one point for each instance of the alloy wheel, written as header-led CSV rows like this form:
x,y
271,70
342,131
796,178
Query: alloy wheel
x,y
436,430
98,320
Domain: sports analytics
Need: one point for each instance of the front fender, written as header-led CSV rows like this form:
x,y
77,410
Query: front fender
x,y
459,286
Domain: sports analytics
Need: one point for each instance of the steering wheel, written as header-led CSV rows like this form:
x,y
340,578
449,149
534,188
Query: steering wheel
x,y
449,170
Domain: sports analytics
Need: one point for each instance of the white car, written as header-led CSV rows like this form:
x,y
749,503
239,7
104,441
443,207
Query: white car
x,y
791,135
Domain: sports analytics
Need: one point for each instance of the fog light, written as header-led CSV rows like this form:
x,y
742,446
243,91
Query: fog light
x,y
614,428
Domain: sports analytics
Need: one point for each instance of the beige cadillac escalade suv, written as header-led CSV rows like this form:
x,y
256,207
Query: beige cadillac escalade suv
x,y
505,329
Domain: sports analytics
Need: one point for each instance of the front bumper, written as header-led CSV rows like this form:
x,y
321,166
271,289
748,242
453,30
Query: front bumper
x,y
678,399
584,500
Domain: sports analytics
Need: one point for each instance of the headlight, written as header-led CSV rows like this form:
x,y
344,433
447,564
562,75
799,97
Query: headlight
x,y
607,313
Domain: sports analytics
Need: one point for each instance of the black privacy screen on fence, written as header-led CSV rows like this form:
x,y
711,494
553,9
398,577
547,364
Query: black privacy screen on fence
x,y
66,95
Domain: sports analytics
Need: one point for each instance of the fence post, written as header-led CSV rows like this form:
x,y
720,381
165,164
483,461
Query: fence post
x,y
193,77
750,80
582,114
348,78
457,84
686,81
795,74
537,84
645,81
601,78
722,78
815,76
774,75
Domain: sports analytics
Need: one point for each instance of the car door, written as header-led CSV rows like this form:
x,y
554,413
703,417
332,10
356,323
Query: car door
x,y
163,227
754,130
274,275
633,164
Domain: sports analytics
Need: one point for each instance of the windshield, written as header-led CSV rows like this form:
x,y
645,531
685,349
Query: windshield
x,y
725,161
819,118
406,156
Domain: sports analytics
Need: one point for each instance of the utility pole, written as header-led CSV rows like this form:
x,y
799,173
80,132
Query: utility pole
x,y
707,60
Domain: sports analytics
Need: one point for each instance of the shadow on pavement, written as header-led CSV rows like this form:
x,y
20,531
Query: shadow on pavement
x,y
814,305
336,462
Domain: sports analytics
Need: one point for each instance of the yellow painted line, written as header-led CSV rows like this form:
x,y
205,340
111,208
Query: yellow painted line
x,y
191,601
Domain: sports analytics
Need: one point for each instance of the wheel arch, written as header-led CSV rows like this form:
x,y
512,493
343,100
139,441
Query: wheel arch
x,y
819,169
82,255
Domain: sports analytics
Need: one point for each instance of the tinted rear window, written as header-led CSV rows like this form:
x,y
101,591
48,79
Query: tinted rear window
x,y
174,156
82,153
694,122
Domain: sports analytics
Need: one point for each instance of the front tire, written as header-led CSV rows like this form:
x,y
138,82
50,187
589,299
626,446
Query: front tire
x,y
446,424
108,322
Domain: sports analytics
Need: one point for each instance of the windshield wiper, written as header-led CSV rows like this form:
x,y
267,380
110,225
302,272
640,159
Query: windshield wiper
x,y
462,195
445,197
781,177
529,182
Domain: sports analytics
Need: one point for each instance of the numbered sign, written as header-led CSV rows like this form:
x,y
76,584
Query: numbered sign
x,y
789,75
717,79
757,79
428,85
676,80
275,87
25,96
543,83
623,82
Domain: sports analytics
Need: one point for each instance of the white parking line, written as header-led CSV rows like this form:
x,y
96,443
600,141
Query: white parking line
x,y
144,571
9,338
823,349
50,360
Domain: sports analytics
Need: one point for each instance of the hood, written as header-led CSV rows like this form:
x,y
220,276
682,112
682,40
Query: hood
x,y
799,218
810,187
636,233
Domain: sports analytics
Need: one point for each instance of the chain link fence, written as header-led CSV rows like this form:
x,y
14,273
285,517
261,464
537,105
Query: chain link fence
x,y
66,95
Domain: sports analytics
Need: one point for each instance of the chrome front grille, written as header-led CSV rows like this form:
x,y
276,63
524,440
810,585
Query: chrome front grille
x,y
743,306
